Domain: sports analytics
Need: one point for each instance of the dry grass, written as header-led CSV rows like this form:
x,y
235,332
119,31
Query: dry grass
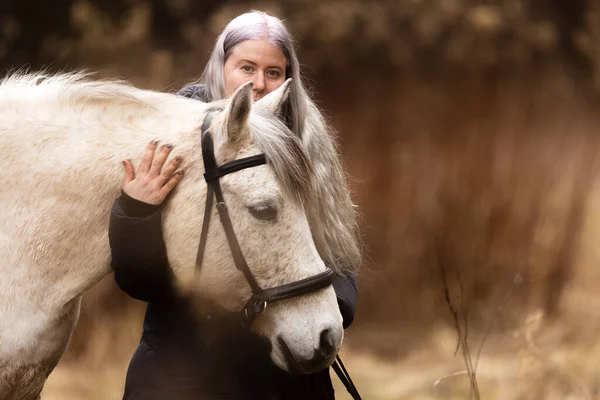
x,y
510,371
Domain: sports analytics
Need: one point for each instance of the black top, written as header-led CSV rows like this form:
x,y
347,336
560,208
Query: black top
x,y
172,360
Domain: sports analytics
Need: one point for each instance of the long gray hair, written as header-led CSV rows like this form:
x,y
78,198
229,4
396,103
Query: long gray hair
x,y
332,218
258,25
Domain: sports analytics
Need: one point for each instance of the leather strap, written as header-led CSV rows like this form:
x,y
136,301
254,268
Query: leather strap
x,y
204,233
261,297
234,246
289,290
340,370
214,187
235,165
209,197
258,302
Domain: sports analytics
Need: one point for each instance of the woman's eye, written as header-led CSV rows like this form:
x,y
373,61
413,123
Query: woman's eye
x,y
263,212
273,74
247,68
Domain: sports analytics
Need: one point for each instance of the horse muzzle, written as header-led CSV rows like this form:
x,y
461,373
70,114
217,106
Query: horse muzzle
x,y
319,358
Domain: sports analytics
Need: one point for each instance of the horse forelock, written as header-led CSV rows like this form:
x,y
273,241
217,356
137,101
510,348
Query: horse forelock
x,y
285,154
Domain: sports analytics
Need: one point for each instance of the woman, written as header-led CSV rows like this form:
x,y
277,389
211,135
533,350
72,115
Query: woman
x,y
171,362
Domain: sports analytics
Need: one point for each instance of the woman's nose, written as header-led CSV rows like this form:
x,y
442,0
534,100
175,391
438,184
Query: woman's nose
x,y
259,82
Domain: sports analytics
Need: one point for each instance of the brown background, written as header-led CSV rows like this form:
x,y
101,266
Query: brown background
x,y
471,135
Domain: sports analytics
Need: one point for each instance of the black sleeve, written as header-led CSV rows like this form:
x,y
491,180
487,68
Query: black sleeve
x,y
139,255
346,289
196,92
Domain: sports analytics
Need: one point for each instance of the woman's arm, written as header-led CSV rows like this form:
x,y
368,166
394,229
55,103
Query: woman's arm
x,y
139,254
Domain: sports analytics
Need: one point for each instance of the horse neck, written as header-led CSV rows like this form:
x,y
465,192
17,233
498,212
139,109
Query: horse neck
x,y
78,153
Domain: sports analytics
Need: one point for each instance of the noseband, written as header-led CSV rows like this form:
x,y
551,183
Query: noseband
x,y
260,297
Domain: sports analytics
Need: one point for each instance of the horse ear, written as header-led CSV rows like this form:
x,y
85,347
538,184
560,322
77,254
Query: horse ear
x,y
274,101
237,112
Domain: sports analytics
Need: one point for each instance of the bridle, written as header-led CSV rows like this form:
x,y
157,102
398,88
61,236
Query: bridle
x,y
260,297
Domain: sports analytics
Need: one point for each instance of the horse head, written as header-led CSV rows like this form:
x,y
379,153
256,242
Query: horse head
x,y
267,206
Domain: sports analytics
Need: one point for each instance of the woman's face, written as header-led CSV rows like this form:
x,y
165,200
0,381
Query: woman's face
x,y
258,61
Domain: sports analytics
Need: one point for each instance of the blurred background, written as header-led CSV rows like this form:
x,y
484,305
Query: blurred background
x,y
470,130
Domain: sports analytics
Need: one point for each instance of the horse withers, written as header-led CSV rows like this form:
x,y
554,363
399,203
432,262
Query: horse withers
x,y
63,138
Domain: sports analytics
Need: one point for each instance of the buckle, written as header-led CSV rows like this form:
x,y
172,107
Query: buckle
x,y
259,308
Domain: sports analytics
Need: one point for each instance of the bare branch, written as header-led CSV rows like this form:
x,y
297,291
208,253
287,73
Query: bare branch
x,y
461,331
516,282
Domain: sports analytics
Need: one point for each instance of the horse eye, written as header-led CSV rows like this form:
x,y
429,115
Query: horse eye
x,y
263,212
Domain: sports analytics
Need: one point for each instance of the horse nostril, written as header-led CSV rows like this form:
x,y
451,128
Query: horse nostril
x,y
327,344
322,357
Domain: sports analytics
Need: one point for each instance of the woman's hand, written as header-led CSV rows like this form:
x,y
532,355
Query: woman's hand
x,y
152,183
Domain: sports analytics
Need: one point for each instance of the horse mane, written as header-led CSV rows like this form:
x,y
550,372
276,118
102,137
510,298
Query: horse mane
x,y
311,170
77,90
333,217
308,168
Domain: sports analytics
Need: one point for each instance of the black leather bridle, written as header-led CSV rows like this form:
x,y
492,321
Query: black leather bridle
x,y
260,297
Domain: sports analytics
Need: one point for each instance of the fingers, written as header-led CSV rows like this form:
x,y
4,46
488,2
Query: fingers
x,y
169,169
171,183
154,180
129,171
159,159
148,157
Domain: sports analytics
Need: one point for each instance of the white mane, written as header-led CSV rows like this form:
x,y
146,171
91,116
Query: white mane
x,y
333,218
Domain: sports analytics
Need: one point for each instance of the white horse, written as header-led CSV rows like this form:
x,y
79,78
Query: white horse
x,y
62,139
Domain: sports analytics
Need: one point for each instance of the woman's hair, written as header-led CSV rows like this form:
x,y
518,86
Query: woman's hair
x,y
258,25
332,217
